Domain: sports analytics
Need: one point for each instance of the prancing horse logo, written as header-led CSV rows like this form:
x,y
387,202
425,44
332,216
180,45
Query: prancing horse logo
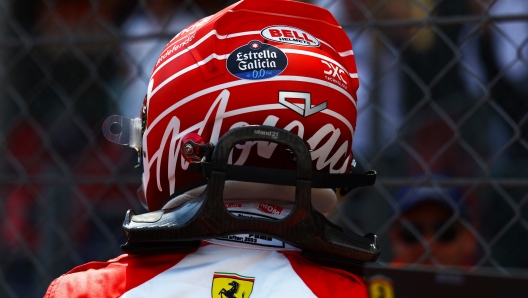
x,y
231,292
231,285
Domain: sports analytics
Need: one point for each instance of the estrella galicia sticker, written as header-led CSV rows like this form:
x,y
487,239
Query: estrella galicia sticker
x,y
256,61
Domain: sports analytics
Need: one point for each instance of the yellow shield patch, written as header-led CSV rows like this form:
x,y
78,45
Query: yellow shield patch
x,y
380,286
231,285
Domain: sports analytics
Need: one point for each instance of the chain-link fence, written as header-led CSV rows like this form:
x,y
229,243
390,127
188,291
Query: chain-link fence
x,y
443,107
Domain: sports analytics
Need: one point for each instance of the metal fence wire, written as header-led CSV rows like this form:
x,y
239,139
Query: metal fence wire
x,y
443,105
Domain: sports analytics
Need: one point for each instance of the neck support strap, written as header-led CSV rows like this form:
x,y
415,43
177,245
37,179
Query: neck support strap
x,y
206,217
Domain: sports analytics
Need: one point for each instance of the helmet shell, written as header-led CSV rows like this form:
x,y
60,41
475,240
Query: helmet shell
x,y
279,63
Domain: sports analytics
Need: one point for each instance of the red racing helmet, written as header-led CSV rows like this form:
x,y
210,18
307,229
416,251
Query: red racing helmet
x,y
278,63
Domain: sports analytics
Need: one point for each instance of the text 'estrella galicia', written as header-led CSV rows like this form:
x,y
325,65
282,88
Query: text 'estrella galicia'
x,y
256,61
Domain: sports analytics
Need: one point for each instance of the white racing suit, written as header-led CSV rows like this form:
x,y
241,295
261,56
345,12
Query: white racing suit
x,y
246,265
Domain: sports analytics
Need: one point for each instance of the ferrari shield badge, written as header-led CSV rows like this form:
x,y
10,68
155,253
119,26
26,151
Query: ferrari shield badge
x,y
380,286
231,285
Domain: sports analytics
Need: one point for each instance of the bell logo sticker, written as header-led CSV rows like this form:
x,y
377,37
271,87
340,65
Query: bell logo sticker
x,y
290,35
256,61
231,285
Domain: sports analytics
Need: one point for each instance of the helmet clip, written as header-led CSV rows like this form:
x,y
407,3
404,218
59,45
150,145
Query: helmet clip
x,y
194,148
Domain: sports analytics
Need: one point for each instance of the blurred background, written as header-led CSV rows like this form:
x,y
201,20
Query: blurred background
x,y
443,112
